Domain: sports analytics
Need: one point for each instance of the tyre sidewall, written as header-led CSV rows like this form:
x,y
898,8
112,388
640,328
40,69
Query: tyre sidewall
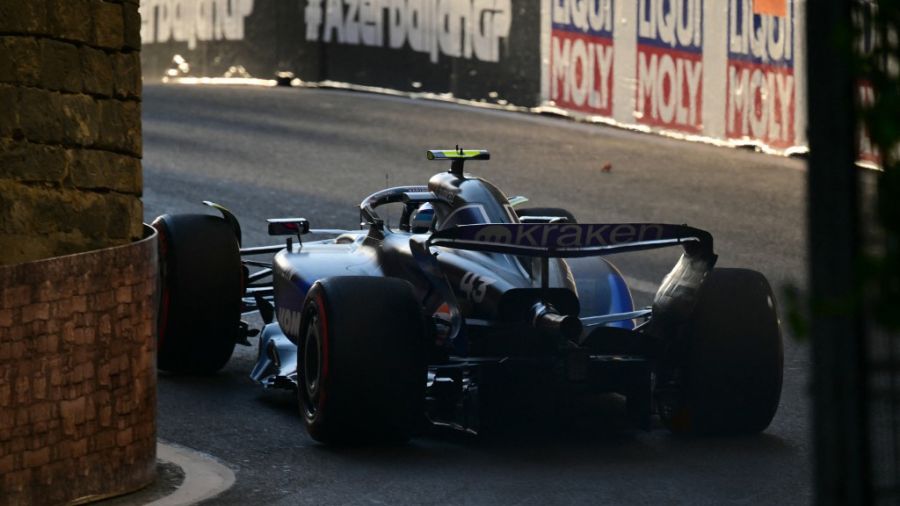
x,y
376,368
733,358
202,288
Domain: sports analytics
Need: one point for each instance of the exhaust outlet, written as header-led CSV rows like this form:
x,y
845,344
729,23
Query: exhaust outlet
x,y
549,321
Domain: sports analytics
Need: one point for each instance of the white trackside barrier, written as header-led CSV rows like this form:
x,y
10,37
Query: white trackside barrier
x,y
728,71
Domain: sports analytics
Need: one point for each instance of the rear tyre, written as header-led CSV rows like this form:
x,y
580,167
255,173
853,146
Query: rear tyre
x,y
202,286
730,373
361,360
547,211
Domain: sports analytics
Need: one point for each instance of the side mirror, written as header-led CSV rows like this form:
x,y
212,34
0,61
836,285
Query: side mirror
x,y
288,226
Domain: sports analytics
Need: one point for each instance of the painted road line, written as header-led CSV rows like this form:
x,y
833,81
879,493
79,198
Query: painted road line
x,y
204,476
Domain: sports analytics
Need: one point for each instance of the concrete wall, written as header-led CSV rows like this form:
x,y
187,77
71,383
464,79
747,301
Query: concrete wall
x,y
474,49
70,126
728,71
725,71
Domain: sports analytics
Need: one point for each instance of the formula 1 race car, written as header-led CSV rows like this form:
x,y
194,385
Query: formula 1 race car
x,y
471,306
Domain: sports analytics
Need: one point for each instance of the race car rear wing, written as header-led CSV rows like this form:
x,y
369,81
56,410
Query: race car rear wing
x,y
564,240
677,294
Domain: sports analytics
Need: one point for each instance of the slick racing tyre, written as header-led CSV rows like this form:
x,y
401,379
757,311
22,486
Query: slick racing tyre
x,y
361,360
547,211
202,286
730,377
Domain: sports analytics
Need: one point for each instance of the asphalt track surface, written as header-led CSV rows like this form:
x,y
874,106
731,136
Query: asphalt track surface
x,y
274,152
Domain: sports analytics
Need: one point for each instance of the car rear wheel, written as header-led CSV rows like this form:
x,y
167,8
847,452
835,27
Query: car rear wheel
x,y
729,376
202,285
362,360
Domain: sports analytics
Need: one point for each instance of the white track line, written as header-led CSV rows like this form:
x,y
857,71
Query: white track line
x,y
204,476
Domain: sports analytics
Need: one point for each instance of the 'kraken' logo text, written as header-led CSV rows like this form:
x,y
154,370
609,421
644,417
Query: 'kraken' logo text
x,y
496,234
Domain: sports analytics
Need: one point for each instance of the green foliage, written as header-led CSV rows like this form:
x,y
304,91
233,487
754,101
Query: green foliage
x,y
871,43
796,315
877,61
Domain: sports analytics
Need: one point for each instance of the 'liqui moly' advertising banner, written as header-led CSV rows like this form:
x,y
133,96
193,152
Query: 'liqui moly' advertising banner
x,y
760,102
670,64
725,71
581,55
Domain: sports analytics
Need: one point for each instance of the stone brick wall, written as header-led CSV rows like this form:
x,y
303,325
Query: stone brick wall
x,y
78,375
70,126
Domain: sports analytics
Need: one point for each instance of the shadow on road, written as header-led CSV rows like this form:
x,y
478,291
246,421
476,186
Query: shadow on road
x,y
598,425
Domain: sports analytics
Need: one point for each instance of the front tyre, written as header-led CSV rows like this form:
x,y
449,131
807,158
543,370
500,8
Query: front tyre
x,y
730,372
202,286
361,360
